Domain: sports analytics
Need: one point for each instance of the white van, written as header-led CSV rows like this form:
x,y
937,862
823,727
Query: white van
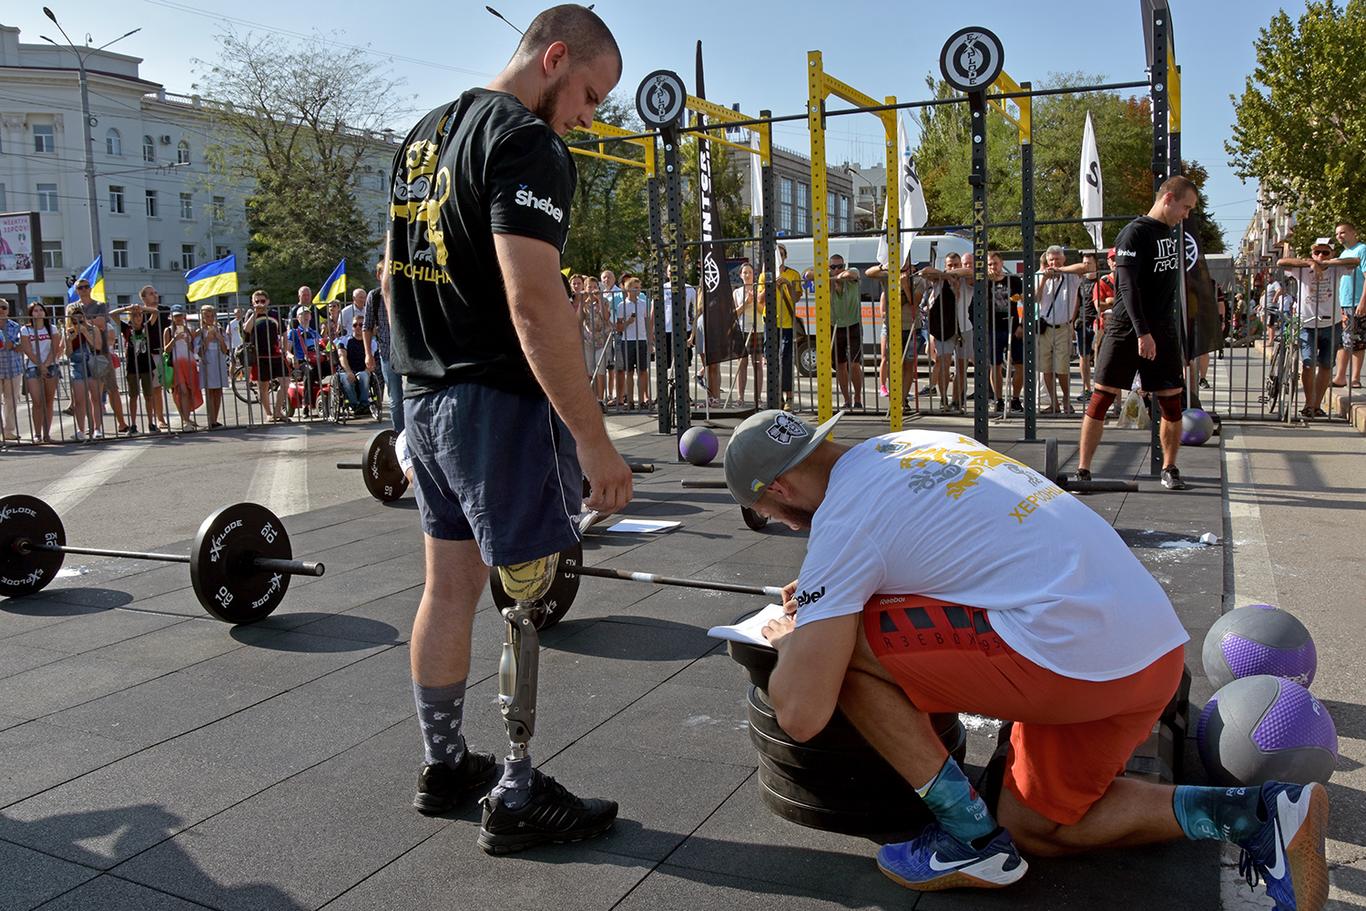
x,y
859,252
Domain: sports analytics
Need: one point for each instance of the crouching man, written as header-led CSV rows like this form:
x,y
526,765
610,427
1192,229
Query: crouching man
x,y
1022,604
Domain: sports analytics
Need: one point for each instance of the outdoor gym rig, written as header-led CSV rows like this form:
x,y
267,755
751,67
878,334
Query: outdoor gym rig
x,y
972,62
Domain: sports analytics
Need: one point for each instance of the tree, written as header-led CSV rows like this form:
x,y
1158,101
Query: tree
x,y
610,215
1300,124
1123,136
299,124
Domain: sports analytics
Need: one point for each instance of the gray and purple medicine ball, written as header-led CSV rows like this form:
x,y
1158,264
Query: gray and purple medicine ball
x,y
1196,427
1265,728
698,445
1259,639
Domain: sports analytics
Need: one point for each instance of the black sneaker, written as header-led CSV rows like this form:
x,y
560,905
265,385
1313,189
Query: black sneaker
x,y
1083,474
551,816
1016,406
1171,479
1204,383
441,788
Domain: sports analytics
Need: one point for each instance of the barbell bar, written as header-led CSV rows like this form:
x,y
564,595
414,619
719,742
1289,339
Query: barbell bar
x,y
240,562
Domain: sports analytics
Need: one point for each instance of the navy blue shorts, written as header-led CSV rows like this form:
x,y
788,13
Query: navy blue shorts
x,y
495,467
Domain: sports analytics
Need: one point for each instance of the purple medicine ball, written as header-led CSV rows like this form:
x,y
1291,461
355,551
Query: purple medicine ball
x,y
698,445
1259,639
1196,427
1266,728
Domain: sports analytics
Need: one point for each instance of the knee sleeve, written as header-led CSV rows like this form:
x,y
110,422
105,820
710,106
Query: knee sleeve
x,y
1170,406
1099,404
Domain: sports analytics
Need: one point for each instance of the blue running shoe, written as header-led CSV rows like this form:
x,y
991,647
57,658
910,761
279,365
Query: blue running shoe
x,y
935,860
1287,851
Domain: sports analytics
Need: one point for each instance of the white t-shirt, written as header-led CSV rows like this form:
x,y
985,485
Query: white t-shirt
x,y
40,340
1318,296
939,514
636,313
689,306
751,319
348,316
235,334
1056,297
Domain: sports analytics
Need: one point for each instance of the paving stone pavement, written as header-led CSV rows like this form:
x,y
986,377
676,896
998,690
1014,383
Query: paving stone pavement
x,y
151,757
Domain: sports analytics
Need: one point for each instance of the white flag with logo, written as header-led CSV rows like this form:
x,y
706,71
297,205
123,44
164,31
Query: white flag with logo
x,y
1092,186
911,199
756,179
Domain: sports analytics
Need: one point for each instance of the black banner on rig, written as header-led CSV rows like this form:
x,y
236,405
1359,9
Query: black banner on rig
x,y
1203,326
721,330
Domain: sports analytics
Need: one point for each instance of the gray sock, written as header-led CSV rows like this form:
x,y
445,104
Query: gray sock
x,y
440,711
514,788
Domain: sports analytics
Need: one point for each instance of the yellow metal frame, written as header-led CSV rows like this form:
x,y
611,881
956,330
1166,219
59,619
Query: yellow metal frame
x,y
821,85
722,114
611,131
1023,120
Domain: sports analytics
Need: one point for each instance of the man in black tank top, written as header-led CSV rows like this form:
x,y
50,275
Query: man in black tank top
x,y
501,423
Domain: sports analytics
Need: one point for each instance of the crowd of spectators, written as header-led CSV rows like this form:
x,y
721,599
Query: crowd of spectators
x,y
111,369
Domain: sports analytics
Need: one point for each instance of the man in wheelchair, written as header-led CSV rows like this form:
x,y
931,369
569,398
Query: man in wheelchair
x,y
352,375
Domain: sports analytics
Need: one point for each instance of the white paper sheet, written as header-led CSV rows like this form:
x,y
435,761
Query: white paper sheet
x,y
643,526
749,630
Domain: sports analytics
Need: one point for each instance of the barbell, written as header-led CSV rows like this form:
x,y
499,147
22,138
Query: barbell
x,y
379,467
240,563
565,587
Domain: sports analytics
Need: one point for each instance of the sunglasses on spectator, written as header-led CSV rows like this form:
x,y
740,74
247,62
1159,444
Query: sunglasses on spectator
x,y
82,287
1321,252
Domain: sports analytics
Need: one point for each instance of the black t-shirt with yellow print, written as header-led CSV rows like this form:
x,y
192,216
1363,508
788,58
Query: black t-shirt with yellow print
x,y
479,166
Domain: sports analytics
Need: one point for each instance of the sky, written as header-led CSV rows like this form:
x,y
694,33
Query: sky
x,y
755,53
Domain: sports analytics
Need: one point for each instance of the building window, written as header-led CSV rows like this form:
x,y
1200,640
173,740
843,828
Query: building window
x,y
785,203
220,208
221,252
122,300
151,203
44,139
3,204
187,256
182,153
154,256
116,200
52,254
149,149
187,205
47,197
113,142
121,254
831,213
803,208
844,214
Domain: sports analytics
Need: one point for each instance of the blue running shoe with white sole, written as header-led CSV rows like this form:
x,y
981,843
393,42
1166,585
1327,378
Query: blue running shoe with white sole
x,y
1287,851
935,860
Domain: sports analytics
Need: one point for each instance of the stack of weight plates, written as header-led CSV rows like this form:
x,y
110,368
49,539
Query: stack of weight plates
x,y
835,781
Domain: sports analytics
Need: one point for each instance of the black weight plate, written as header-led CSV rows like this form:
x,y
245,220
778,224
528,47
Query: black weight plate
x,y
28,518
755,521
872,797
224,580
757,660
852,785
894,820
563,590
384,477
839,734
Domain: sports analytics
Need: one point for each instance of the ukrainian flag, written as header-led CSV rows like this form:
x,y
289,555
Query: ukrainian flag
x,y
212,279
94,273
334,288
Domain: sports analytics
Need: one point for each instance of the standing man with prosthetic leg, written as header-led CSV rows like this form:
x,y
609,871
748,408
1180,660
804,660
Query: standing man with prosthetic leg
x,y
1141,329
1052,624
501,424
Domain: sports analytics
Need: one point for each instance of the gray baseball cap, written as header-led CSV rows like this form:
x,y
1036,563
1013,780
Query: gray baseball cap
x,y
764,446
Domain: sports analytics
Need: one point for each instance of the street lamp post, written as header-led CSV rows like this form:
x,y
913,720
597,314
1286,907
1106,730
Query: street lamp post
x,y
86,118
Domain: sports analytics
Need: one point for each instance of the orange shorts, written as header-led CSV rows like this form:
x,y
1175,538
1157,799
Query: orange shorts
x,y
1071,738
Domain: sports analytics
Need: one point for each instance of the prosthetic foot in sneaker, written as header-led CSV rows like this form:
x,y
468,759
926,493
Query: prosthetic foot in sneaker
x,y
441,788
935,860
1287,851
551,815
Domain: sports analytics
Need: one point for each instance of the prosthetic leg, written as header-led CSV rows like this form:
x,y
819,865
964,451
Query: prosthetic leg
x,y
517,669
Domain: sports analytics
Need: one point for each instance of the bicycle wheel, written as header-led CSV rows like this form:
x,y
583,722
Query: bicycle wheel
x,y
242,386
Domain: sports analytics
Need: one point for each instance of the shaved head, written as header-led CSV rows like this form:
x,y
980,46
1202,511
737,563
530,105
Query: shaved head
x,y
578,27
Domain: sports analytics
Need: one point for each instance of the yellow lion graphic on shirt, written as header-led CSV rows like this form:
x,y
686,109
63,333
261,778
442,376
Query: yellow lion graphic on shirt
x,y
958,470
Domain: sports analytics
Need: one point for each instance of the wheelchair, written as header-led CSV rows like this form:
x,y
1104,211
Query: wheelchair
x,y
333,406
